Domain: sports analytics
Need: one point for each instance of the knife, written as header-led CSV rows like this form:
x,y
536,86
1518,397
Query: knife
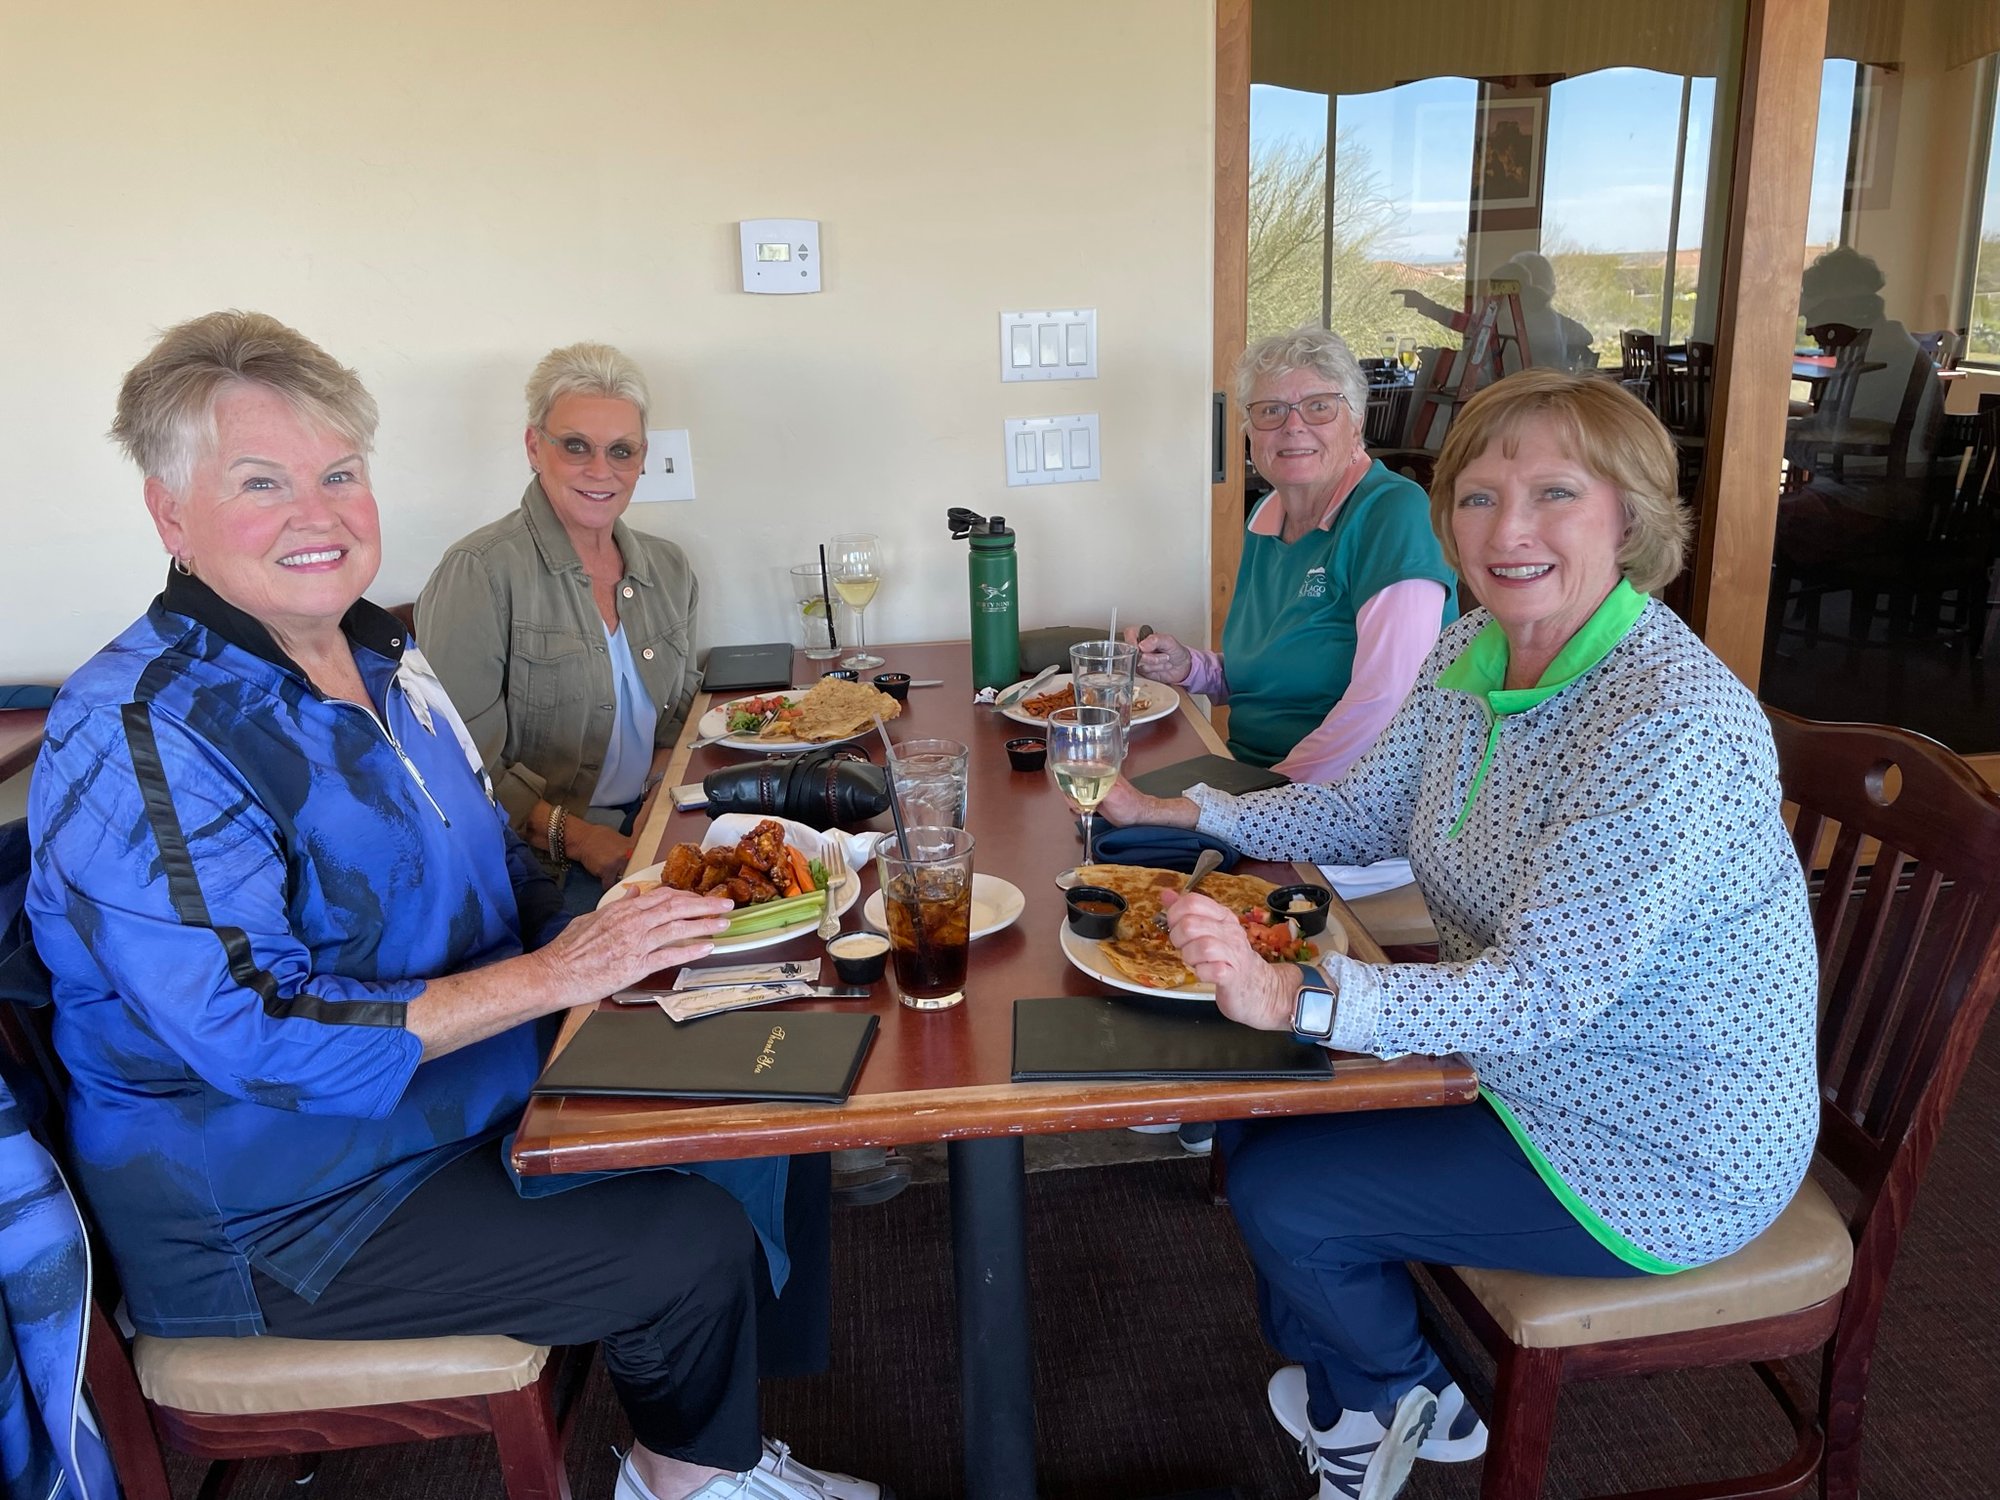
x,y
915,682
818,992
1015,695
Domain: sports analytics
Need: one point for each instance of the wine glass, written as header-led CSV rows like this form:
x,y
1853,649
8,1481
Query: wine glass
x,y
1406,352
855,561
1086,748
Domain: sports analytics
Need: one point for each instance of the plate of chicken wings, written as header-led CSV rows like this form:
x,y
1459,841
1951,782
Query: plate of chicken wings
x,y
749,867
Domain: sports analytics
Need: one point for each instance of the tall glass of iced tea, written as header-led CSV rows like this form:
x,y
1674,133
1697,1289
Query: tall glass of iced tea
x,y
927,897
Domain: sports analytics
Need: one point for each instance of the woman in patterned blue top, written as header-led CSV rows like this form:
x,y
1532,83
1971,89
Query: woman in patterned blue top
x,y
300,959
1590,802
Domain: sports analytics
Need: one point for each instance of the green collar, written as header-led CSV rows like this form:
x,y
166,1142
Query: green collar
x,y
1481,667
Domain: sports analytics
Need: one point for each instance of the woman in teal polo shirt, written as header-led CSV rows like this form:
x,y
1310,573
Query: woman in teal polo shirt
x,y
1343,587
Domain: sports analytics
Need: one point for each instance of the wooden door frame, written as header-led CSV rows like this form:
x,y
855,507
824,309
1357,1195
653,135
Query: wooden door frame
x,y
1778,109
1232,297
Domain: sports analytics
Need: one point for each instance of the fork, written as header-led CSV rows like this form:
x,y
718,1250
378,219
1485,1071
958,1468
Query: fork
x,y
729,734
834,857
1205,864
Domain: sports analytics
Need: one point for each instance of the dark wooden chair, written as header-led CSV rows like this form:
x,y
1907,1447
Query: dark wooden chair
x,y
1902,840
1639,353
227,1400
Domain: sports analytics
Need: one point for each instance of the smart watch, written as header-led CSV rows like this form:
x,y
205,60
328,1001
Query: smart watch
x,y
1312,1010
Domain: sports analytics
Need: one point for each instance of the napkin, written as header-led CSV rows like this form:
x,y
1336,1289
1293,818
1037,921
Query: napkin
x,y
1159,848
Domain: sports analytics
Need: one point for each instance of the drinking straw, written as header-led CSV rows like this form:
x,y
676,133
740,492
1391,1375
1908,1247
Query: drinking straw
x,y
895,803
911,901
1113,637
826,597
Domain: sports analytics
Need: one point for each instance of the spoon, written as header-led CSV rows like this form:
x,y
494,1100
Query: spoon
x,y
1205,865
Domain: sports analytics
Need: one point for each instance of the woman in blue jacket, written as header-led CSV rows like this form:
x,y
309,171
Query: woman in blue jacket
x,y
299,957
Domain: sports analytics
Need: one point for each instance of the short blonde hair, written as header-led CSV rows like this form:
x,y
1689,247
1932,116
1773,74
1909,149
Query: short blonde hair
x,y
1602,426
166,407
584,370
1307,347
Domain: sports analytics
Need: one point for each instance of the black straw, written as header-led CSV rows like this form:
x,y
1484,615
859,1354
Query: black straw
x,y
912,899
826,597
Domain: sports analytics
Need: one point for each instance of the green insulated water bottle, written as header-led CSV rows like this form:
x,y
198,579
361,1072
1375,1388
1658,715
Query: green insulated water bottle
x,y
996,604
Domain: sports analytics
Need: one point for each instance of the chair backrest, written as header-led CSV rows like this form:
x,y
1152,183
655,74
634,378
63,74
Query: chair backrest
x,y
1922,402
1849,348
1908,928
1639,352
1683,390
1963,517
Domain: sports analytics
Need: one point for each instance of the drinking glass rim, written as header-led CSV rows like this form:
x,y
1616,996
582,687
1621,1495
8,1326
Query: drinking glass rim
x,y
1074,716
887,847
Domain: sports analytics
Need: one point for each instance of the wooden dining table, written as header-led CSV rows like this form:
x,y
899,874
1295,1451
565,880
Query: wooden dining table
x,y
945,1075
20,738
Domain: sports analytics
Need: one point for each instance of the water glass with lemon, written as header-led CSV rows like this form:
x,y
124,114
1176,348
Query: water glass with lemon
x,y
809,593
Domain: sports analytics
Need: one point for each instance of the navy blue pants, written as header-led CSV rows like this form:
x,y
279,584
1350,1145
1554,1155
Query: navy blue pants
x,y
1331,1206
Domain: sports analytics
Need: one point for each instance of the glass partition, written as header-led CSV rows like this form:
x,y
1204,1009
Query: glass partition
x,y
1885,540
1511,183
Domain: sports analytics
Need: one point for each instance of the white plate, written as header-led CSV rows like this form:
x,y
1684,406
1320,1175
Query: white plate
x,y
811,840
1087,954
996,904
717,719
1150,700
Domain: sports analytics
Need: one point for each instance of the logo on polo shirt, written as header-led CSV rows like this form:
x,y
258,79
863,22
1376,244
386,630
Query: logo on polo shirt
x,y
1315,585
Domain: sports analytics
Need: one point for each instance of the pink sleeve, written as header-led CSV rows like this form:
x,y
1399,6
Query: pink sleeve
x,y
1205,675
1394,633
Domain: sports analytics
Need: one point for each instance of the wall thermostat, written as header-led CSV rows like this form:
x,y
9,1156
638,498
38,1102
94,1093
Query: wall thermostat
x,y
780,255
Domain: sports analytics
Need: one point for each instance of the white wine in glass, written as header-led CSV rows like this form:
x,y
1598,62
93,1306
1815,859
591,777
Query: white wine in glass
x,y
855,561
1086,748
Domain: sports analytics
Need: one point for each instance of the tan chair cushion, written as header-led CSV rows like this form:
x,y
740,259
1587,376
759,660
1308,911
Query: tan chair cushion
x,y
1395,917
239,1377
1803,1258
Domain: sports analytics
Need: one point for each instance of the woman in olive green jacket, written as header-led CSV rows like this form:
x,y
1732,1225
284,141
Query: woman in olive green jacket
x,y
566,639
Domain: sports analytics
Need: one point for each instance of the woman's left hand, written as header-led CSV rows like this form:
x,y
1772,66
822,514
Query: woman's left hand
x,y
1213,943
604,852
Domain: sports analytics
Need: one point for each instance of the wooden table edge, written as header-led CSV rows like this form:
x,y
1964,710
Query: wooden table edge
x,y
1005,1109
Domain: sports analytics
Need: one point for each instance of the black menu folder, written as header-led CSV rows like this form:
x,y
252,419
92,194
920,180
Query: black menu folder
x,y
1097,1036
741,669
812,1057
1218,771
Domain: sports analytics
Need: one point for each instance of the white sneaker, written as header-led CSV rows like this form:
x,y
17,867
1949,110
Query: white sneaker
x,y
778,1476
1457,1437
1360,1459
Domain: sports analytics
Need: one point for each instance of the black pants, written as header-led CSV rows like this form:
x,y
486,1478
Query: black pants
x,y
662,1268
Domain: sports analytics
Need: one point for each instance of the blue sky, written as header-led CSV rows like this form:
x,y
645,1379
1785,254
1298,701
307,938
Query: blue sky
x,y
1610,149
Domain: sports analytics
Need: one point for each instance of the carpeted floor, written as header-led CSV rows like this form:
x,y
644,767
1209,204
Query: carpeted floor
x,y
1150,1374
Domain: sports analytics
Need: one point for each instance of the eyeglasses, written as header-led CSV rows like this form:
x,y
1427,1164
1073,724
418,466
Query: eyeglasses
x,y
1315,410
577,452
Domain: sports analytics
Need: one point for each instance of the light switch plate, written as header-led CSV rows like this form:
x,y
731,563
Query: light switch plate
x,y
669,470
1051,450
1055,345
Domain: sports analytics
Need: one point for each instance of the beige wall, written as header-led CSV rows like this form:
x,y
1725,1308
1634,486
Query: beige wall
x,y
441,190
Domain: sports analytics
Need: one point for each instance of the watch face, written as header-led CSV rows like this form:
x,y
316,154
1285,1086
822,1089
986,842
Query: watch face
x,y
1312,1013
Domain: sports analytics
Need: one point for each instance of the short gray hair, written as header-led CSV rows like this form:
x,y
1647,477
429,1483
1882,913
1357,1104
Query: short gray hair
x,y
166,407
584,370
1307,347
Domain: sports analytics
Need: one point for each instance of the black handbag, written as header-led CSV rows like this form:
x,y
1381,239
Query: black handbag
x,y
820,788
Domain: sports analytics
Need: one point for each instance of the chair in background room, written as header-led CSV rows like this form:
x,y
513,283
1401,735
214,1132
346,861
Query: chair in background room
x,y
1901,843
1640,352
1684,393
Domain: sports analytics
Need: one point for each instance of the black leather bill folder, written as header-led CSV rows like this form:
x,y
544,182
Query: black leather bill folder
x,y
1218,771
812,1057
742,669
1099,1036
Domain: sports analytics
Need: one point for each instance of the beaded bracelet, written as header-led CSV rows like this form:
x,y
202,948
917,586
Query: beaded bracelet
x,y
558,847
